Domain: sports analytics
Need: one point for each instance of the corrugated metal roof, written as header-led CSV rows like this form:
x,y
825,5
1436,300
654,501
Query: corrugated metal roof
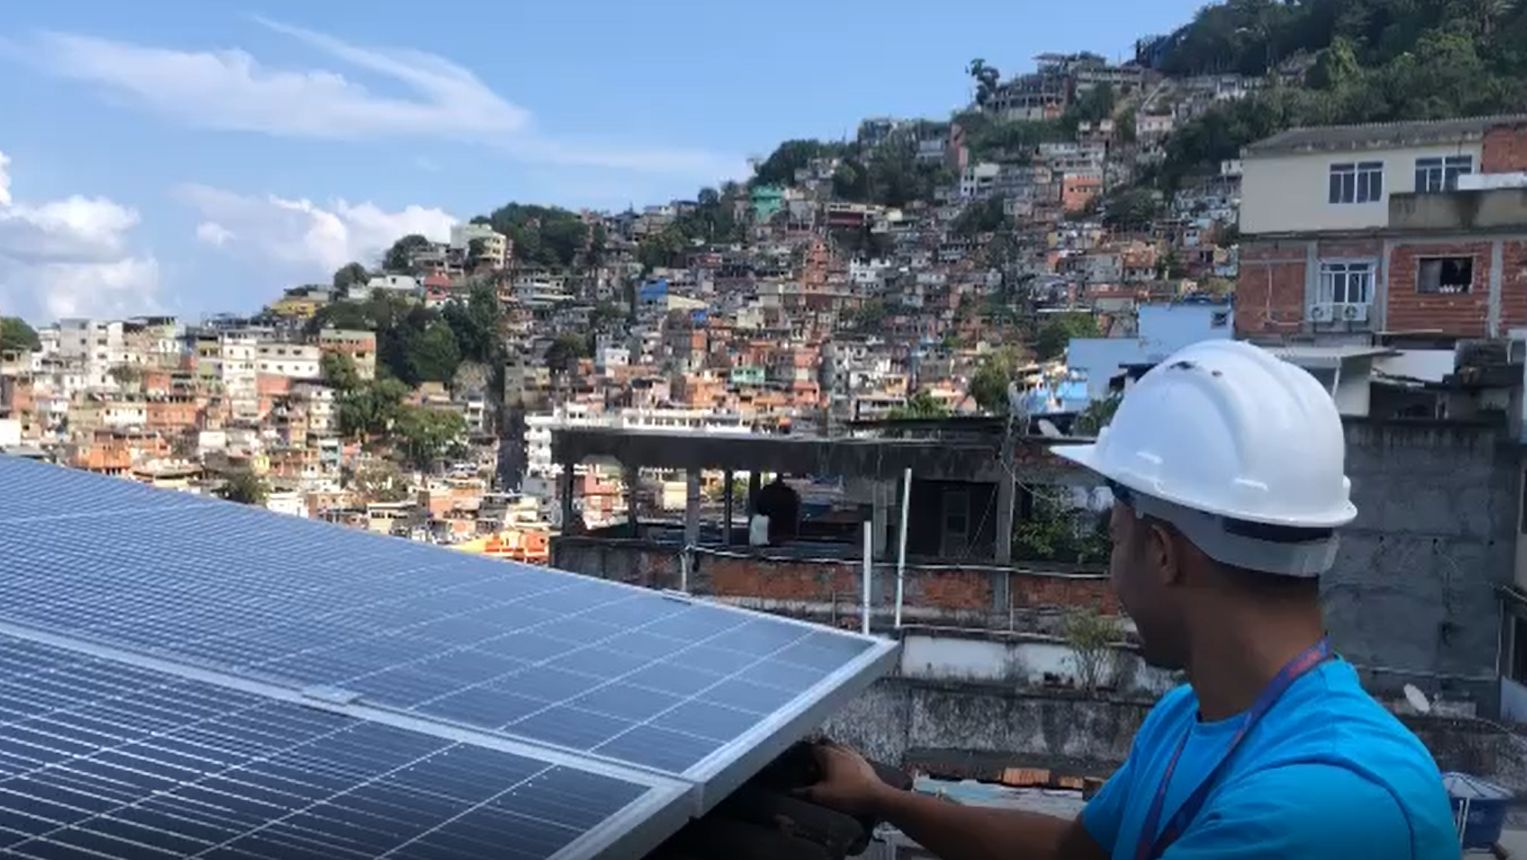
x,y
1379,135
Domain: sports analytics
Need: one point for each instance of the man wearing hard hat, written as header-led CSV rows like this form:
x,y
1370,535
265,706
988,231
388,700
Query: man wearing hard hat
x,y
1226,469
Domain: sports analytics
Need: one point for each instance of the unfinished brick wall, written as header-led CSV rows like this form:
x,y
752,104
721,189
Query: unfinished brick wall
x,y
1513,285
1036,592
1505,149
779,580
955,590
1463,314
1269,296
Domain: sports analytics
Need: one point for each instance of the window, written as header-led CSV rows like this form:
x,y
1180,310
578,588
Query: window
x,y
1441,173
1445,275
1362,182
1346,283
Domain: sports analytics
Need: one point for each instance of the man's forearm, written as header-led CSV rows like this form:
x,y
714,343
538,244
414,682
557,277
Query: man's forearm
x,y
955,832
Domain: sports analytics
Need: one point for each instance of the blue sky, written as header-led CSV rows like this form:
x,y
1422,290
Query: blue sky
x,y
188,156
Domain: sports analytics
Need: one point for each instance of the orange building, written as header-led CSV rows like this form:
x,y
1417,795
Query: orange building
x,y
1078,190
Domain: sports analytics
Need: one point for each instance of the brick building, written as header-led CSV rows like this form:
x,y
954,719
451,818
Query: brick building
x,y
1402,227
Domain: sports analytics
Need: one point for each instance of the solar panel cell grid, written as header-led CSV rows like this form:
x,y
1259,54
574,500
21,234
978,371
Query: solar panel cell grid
x,y
101,758
169,721
314,605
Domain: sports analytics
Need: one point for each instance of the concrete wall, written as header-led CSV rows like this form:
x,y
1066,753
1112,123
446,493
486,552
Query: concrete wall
x,y
1089,736
898,715
1412,596
1459,210
1019,662
1291,192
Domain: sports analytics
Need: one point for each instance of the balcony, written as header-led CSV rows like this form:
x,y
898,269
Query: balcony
x,y
1473,209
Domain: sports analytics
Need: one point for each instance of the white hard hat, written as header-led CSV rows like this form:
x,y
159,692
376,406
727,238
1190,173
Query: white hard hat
x,y
1225,429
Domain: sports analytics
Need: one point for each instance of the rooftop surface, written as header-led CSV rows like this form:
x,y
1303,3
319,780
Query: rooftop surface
x,y
1379,135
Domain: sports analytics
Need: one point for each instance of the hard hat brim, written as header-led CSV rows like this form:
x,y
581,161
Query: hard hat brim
x,y
1086,456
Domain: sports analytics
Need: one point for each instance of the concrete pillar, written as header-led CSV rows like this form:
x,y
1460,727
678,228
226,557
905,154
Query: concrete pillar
x,y
632,476
565,492
881,492
727,503
691,507
1005,497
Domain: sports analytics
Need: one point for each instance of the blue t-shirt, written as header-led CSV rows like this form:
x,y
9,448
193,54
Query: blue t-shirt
x,y
1327,773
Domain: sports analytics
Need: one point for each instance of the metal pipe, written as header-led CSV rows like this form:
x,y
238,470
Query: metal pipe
x,y
901,539
869,568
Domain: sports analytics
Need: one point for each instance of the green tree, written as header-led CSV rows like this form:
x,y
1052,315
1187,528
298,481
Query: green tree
x,y
1097,415
433,353
475,323
397,258
1058,331
779,168
339,372
476,248
980,216
350,273
425,435
564,353
921,405
244,487
367,410
1058,531
16,334
989,384
850,180
1092,637
542,235
661,250
125,374
986,78
1131,209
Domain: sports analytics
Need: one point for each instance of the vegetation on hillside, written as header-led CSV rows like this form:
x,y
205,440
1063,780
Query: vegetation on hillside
x,y
16,334
418,344
542,235
1369,61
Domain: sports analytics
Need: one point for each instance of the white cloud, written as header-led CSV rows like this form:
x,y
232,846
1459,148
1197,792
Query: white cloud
x,y
213,233
70,257
230,89
311,239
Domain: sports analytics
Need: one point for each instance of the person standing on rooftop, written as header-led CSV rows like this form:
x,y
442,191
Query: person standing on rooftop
x,y
1227,471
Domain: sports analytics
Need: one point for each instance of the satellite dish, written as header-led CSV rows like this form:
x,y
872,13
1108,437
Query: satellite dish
x,y
1417,699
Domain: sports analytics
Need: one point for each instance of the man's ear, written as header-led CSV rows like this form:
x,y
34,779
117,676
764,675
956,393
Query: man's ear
x,y
1163,552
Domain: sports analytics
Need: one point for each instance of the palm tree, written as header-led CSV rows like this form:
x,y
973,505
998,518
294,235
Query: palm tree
x,y
986,78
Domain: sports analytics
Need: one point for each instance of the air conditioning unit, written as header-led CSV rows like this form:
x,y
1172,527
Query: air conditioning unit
x,y
1354,313
1321,313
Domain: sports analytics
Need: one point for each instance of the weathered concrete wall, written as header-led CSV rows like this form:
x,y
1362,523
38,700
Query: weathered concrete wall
x,y
1412,595
896,716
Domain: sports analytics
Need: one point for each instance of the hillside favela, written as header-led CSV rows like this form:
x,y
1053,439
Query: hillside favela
x,y
392,469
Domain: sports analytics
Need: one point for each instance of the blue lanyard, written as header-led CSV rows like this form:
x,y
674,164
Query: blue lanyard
x,y
1151,845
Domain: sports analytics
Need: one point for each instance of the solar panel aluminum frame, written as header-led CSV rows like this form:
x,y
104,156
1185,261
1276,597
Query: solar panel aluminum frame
x,y
728,767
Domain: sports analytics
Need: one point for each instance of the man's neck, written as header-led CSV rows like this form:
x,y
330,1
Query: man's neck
x,y
1235,655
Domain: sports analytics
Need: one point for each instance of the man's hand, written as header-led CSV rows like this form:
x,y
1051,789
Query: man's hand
x,y
848,782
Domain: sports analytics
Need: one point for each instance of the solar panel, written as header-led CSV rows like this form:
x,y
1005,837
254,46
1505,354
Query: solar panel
x,y
566,665
102,758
